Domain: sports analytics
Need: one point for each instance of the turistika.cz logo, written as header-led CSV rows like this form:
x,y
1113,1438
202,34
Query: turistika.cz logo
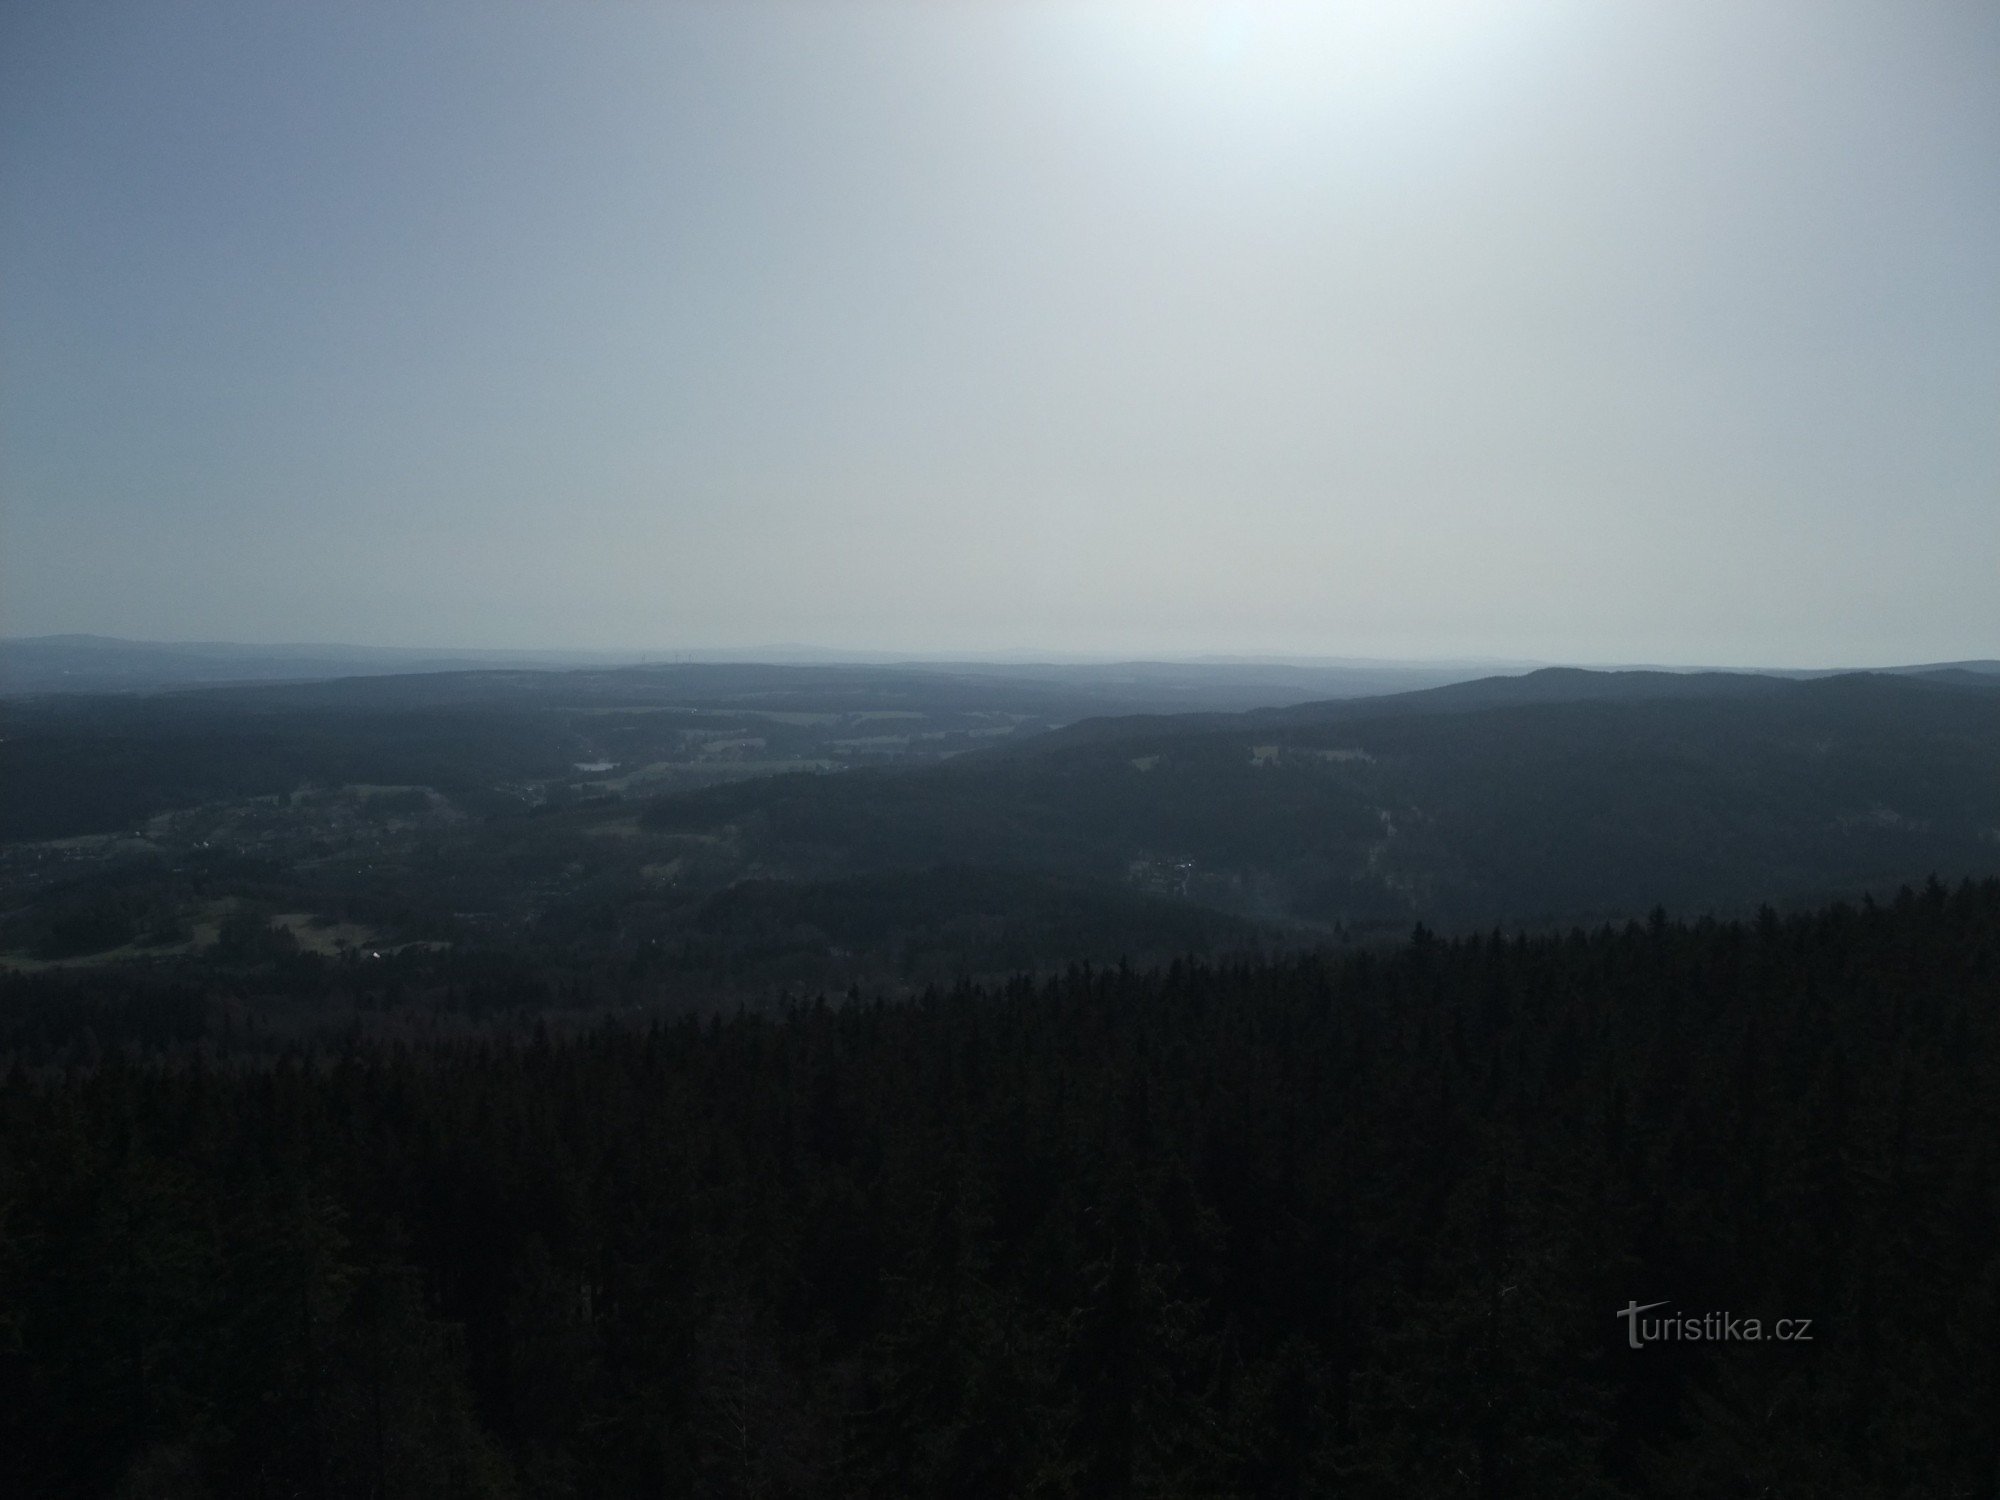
x,y
1714,1328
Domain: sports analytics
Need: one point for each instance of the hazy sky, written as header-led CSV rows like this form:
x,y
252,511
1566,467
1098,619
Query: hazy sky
x,y
1532,328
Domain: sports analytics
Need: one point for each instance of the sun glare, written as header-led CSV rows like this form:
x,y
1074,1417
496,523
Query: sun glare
x,y
1368,59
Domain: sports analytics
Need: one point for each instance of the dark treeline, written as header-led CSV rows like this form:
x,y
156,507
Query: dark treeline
x,y
1344,1225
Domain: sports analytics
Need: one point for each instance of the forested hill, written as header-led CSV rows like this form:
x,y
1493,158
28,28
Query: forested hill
x,y
1534,800
1545,685
1356,1225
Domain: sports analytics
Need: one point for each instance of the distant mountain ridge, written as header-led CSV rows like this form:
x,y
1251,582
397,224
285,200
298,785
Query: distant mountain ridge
x,y
1543,686
81,664
108,664
84,663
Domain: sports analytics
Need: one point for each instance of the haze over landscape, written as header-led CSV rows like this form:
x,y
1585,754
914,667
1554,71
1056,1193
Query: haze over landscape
x,y
1539,330
828,750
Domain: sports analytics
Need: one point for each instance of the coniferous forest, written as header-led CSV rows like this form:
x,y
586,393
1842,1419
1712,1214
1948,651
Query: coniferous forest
x,y
1358,1223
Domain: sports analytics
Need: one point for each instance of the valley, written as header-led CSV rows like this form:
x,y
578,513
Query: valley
x,y
713,833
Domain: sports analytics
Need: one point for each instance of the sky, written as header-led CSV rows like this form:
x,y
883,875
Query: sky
x,y
1561,330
